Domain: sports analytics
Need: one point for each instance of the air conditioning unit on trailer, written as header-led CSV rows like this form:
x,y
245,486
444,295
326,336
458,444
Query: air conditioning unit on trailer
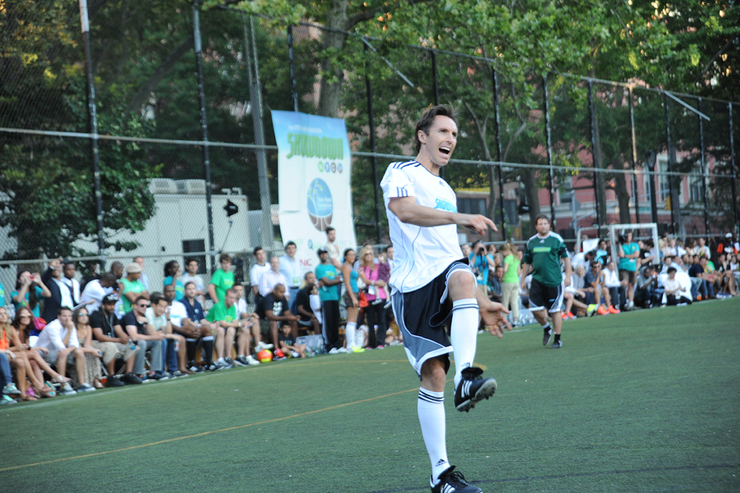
x,y
162,185
191,187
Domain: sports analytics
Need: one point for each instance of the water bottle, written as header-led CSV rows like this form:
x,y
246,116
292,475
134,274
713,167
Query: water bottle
x,y
131,345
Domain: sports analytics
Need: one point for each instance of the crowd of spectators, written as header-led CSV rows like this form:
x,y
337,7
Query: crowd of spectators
x,y
112,329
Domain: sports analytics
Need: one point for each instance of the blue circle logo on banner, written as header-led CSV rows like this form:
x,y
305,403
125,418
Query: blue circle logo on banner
x,y
319,204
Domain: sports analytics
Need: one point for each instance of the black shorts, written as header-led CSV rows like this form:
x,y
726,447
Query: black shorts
x,y
421,317
543,297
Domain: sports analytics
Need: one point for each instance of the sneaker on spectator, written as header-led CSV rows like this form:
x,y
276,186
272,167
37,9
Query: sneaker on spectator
x,y
241,361
630,305
114,382
221,365
342,350
357,349
334,351
251,361
295,354
564,315
131,379
602,310
6,399
591,310
612,309
67,390
571,316
261,345
229,362
85,388
11,389
178,374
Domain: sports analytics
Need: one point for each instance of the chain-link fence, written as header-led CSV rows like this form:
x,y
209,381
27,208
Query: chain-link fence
x,y
584,152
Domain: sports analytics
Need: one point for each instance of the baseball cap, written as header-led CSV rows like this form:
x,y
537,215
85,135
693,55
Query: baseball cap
x,y
320,251
110,298
133,268
728,235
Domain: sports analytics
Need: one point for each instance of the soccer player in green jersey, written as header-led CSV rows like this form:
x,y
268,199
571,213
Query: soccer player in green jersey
x,y
543,253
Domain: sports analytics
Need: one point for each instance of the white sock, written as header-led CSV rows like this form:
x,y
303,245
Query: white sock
x,y
349,334
463,334
431,410
545,326
220,360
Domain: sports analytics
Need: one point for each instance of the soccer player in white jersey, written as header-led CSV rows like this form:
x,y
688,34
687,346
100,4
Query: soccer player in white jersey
x,y
430,280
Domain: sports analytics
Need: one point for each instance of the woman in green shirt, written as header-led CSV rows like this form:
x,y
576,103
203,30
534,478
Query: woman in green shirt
x,y
510,282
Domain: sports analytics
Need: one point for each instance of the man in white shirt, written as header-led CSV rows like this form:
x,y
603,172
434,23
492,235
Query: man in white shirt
x,y
431,281
59,339
272,277
332,249
290,268
614,286
191,275
255,273
97,289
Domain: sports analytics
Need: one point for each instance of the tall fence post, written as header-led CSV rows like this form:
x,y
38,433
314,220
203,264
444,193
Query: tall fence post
x,y
255,94
734,172
704,179
550,171
650,159
635,190
293,82
371,124
204,131
669,148
435,80
592,113
93,127
497,122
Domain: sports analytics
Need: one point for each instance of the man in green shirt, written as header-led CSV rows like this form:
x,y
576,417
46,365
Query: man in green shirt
x,y
543,252
628,254
223,316
222,279
131,286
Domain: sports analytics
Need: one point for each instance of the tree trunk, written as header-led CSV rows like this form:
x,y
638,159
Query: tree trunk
x,y
332,76
599,178
529,177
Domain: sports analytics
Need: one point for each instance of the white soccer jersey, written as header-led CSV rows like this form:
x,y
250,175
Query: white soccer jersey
x,y
421,253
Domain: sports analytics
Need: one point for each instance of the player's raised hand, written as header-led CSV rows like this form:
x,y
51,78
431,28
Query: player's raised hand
x,y
494,318
477,223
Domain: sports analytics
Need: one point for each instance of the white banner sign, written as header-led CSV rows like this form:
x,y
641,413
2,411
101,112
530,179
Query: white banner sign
x,y
314,170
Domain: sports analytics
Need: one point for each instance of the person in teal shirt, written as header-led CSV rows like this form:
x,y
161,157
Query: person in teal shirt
x,y
29,290
172,274
329,286
2,295
628,253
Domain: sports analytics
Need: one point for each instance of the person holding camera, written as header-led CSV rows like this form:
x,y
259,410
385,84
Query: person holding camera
x,y
628,253
480,262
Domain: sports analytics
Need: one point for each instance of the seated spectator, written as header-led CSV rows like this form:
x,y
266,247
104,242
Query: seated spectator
x,y
221,280
60,294
614,287
146,338
69,270
577,295
495,290
97,289
676,292
93,374
223,316
24,326
188,315
645,288
706,287
272,277
144,278
725,277
255,273
158,317
9,390
602,253
252,322
288,344
691,247
132,287
191,275
111,339
307,319
29,291
59,338
594,288
274,313
172,278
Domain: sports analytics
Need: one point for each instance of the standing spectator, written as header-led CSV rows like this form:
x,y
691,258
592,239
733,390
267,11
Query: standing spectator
x,y
480,263
602,253
703,249
676,291
222,280
175,353
272,277
223,316
97,289
145,337
331,248
59,339
329,285
144,277
116,268
201,330
645,294
466,250
110,338
307,318
255,273
192,266
274,313
93,355
351,300
389,251
132,287
29,290
376,298
60,294
2,295
172,278
628,253
614,287
290,268
495,284
72,284
510,284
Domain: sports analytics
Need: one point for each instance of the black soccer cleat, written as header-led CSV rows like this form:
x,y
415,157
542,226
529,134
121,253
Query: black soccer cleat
x,y
546,338
473,388
556,345
453,482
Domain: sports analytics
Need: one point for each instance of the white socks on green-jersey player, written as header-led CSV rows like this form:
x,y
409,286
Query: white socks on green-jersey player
x,y
463,334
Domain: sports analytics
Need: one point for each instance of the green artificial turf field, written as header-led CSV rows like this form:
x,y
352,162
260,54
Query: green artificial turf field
x,y
642,401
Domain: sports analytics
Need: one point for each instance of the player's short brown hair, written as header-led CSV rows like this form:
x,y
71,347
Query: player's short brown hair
x,y
427,119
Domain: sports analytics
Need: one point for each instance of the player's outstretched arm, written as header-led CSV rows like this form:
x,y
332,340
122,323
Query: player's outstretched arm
x,y
408,211
493,314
